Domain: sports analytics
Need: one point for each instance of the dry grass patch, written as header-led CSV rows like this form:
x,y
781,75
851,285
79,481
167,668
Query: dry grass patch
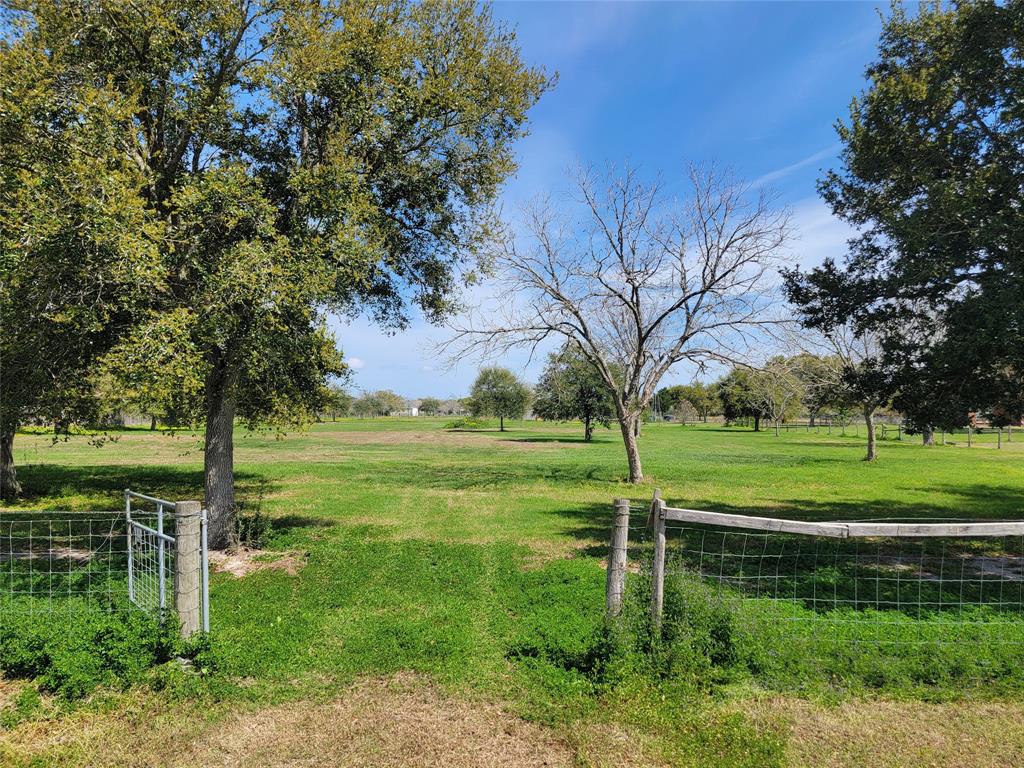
x,y
243,561
9,690
896,734
400,722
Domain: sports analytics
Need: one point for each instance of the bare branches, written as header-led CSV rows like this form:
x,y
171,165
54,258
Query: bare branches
x,y
634,283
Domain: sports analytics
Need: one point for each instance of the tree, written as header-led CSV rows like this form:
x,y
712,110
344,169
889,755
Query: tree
x,y
76,253
570,388
736,397
338,402
703,398
430,406
388,402
684,412
636,285
861,378
364,406
383,402
775,390
298,157
932,177
498,392
822,380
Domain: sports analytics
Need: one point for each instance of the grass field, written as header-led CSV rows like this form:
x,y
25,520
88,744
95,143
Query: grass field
x,y
410,566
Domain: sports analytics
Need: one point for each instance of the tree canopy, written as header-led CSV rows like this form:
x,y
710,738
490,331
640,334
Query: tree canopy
x,y
570,389
932,177
286,159
499,393
76,244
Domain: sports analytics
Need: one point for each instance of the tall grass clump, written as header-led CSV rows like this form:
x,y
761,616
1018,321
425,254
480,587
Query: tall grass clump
x,y
712,634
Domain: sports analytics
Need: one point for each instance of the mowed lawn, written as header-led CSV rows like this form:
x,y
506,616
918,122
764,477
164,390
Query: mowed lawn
x,y
409,562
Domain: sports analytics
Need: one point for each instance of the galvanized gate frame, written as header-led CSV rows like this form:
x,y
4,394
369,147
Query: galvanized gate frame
x,y
163,541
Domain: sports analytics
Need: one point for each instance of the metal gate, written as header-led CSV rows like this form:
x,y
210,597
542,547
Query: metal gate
x,y
152,556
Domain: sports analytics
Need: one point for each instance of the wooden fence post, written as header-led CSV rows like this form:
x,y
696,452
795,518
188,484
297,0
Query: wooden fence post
x,y
616,585
187,565
658,563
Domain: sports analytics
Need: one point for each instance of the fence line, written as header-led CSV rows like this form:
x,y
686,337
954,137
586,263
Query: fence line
x,y
155,556
825,585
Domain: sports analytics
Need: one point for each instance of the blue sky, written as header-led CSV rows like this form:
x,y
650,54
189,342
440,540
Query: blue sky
x,y
756,86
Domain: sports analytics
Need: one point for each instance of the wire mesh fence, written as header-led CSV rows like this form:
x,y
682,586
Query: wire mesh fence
x,y
61,561
150,555
876,597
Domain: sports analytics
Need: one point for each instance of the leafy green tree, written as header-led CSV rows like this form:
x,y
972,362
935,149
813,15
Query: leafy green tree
x,y
388,402
364,406
932,177
739,401
498,392
298,157
569,389
76,245
338,401
383,402
430,406
702,397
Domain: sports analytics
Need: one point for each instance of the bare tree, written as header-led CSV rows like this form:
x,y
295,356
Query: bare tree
x,y
637,284
861,381
776,387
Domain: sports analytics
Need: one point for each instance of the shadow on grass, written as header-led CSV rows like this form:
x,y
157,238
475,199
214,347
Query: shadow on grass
x,y
106,483
556,439
591,523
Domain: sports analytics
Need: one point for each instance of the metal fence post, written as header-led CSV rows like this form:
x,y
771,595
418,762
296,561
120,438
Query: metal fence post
x,y
161,548
129,533
205,573
188,566
616,585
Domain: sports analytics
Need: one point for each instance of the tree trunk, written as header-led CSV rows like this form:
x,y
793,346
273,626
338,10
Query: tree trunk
x,y
219,458
812,419
152,423
777,428
636,427
928,435
501,423
628,427
869,420
588,430
10,488
757,423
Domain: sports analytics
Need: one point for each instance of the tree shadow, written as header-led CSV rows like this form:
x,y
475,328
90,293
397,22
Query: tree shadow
x,y
591,524
105,484
579,439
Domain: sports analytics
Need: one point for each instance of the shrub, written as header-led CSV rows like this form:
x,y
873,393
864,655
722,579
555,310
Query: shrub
x,y
466,423
88,647
252,528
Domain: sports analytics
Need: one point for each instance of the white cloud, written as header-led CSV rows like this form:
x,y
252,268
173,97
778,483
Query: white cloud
x,y
788,169
817,233
355,363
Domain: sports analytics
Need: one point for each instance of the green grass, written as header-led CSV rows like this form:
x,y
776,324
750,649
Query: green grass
x,y
474,557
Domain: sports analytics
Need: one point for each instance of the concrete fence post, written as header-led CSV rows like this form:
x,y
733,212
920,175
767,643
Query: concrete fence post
x,y
188,565
616,585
